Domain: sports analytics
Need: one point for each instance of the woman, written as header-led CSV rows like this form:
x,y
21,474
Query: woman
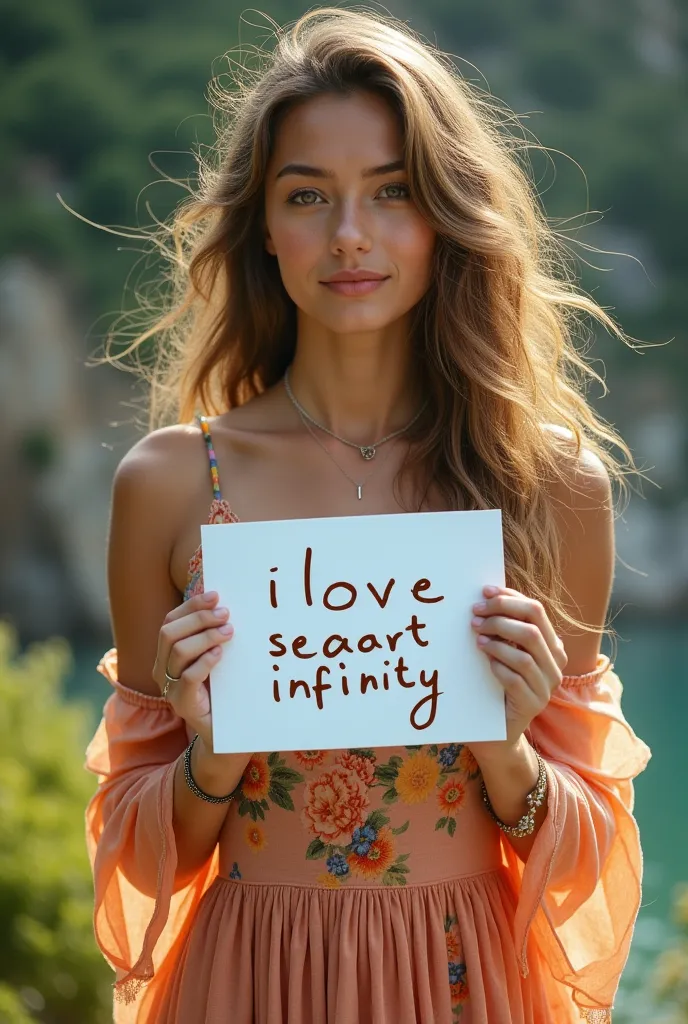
x,y
369,309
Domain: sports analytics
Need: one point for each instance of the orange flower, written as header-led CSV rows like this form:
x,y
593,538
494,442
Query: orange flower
x,y
453,947
255,837
417,778
467,763
451,796
329,881
255,782
335,804
361,766
459,992
310,759
378,858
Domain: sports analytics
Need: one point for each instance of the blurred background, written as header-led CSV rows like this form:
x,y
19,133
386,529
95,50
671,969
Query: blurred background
x,y
103,99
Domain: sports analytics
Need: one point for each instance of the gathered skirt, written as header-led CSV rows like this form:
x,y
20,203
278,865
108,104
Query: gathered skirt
x,y
295,954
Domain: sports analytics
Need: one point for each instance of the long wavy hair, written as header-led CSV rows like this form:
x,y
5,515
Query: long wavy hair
x,y
497,334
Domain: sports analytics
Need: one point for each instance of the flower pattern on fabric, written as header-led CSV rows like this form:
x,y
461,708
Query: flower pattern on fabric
x,y
310,759
458,982
370,854
335,804
445,770
266,780
255,837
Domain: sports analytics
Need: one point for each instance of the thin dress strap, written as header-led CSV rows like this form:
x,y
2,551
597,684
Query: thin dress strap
x,y
214,472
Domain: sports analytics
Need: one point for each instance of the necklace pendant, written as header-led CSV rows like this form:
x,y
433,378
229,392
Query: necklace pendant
x,y
368,452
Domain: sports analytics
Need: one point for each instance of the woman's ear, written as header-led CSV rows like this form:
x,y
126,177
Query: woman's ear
x,y
269,245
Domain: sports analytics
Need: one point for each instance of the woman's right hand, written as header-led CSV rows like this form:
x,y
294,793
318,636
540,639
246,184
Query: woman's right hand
x,y
189,646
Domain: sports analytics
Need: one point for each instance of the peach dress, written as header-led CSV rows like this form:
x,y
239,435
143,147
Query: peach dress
x,y
367,886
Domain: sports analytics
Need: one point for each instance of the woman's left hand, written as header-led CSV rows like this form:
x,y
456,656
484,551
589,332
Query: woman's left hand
x,y
526,656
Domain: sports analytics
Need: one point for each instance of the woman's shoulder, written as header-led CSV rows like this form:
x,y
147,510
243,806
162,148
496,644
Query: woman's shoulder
x,y
161,481
583,478
164,459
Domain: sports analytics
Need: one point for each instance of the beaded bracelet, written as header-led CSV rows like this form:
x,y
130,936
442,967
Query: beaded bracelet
x,y
196,790
526,825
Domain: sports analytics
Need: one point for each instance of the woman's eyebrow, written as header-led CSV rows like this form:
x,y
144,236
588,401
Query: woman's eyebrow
x,y
307,171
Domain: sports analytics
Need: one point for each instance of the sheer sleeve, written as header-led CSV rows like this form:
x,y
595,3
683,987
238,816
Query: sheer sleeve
x,y
139,916
579,890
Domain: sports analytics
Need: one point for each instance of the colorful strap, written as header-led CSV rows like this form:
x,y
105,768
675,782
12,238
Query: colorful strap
x,y
214,472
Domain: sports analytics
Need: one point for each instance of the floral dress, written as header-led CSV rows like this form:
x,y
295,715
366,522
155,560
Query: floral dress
x,y
366,886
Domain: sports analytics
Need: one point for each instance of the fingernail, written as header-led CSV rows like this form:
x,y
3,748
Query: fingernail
x,y
221,612
477,621
226,629
210,595
480,606
482,640
490,591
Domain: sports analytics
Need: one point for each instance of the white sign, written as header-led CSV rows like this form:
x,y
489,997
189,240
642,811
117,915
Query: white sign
x,y
354,631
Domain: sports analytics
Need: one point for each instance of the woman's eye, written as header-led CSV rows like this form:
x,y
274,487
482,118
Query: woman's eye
x,y
308,197
400,188
295,197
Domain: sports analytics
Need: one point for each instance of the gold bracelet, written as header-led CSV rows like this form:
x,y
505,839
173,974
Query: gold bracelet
x,y
526,825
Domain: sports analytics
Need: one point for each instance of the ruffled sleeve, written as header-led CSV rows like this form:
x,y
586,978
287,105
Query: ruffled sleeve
x,y
139,916
579,890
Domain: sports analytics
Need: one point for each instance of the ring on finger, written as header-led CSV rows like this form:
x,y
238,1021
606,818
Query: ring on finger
x,y
168,681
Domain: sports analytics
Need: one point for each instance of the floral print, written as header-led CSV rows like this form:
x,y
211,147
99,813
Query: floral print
x,y
413,779
335,804
458,982
310,759
266,780
370,854
416,778
255,837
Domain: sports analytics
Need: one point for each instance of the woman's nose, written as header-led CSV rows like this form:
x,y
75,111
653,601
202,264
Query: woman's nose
x,y
351,229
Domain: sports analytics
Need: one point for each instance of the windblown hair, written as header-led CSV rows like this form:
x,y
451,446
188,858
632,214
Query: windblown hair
x,y
497,333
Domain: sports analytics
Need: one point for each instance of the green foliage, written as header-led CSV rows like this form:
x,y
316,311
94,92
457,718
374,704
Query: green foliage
x,y
51,970
95,90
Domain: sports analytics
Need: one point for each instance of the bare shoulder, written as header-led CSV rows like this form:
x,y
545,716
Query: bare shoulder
x,y
584,484
164,464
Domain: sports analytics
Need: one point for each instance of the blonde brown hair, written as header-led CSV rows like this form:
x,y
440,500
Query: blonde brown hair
x,y
496,334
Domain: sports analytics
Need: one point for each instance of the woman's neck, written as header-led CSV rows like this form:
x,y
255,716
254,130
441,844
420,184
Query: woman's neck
x,y
360,387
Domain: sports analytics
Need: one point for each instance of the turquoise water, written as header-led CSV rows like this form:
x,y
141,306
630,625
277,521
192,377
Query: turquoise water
x,y
651,662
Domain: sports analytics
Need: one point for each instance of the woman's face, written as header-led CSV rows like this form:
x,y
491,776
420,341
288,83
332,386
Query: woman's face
x,y
337,198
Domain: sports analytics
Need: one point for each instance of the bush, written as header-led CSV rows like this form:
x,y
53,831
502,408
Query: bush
x,y
52,970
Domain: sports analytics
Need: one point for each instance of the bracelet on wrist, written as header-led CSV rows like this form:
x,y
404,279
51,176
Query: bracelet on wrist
x,y
526,825
195,789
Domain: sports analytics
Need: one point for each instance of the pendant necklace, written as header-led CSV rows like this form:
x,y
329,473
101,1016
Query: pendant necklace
x,y
367,450
358,484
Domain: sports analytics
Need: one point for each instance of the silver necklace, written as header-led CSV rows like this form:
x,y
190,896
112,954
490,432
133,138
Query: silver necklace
x,y
358,484
367,450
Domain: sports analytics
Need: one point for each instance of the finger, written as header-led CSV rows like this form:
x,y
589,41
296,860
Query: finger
x,y
197,603
514,684
174,630
525,634
510,602
189,649
190,697
520,662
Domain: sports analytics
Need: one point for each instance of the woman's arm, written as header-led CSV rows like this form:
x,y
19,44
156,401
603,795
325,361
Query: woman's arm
x,y
584,514
149,501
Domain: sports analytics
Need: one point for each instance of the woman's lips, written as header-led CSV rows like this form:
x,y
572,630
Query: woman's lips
x,y
354,287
